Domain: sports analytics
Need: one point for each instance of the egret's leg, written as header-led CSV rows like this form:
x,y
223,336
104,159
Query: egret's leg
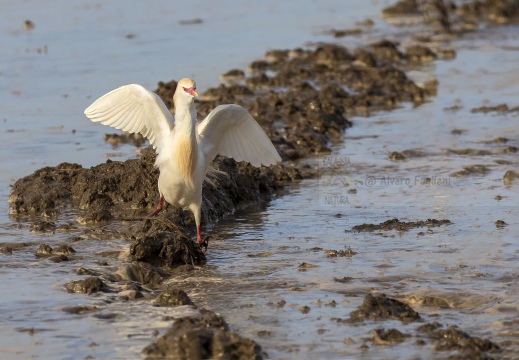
x,y
197,212
159,207
198,236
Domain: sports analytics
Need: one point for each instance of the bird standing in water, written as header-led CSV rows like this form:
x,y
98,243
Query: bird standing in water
x,y
184,148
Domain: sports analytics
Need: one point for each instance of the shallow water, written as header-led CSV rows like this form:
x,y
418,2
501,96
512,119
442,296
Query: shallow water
x,y
254,258
51,73
471,264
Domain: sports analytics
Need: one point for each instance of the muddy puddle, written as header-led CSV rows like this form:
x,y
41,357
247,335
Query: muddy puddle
x,y
398,240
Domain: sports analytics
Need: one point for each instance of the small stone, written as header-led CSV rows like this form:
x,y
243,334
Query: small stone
x,y
387,337
6,250
173,297
396,156
59,258
28,25
86,286
305,266
44,250
130,294
304,309
500,224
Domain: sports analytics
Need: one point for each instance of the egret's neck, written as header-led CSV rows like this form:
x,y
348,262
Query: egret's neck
x,y
185,115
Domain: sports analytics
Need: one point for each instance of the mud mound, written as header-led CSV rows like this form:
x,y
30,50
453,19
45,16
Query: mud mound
x,y
45,191
161,243
380,307
454,339
204,337
131,184
299,96
454,16
173,297
140,272
387,337
87,286
124,189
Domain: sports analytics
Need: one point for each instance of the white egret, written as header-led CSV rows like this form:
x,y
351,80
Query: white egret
x,y
184,148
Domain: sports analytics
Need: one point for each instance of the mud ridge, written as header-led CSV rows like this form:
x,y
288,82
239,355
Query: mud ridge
x,y
396,224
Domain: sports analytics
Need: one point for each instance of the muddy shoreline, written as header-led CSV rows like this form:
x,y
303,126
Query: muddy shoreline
x,y
299,98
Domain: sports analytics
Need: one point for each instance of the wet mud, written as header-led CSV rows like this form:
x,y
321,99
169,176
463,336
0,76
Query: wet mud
x,y
204,337
395,224
453,16
444,338
380,307
302,98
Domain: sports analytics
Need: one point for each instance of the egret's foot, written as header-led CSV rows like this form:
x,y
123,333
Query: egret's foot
x,y
203,244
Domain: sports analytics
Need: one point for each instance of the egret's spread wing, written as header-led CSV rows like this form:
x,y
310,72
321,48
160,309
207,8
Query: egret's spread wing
x,y
231,131
134,109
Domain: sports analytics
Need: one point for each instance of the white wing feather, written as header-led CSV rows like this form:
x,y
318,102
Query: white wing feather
x,y
134,109
231,131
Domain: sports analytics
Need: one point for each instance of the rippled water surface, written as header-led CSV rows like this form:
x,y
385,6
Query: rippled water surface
x,y
471,264
51,73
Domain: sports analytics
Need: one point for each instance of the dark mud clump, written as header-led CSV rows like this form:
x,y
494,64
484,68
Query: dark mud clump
x,y
472,170
6,250
203,337
381,307
396,156
43,192
454,16
502,108
118,139
233,75
419,53
510,176
387,337
395,224
500,224
43,227
141,272
44,250
86,286
339,33
476,152
335,253
78,310
130,184
173,297
160,242
454,339
62,252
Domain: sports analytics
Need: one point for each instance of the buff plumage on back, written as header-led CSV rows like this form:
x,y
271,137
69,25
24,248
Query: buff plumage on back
x,y
134,109
186,159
